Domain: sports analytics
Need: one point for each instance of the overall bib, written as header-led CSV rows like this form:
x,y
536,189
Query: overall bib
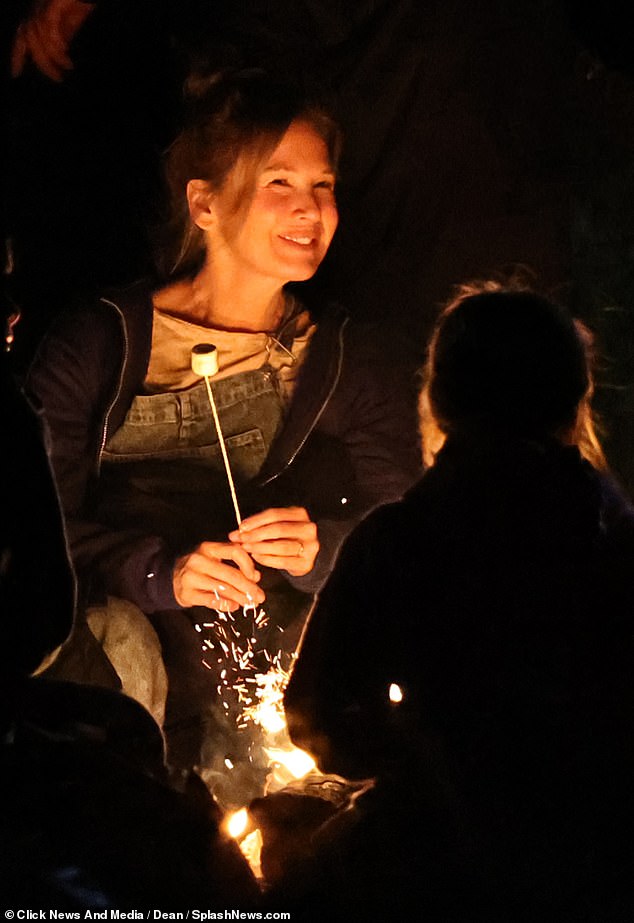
x,y
163,473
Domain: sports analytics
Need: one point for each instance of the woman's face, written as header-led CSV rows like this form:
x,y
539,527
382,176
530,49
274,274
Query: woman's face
x,y
283,231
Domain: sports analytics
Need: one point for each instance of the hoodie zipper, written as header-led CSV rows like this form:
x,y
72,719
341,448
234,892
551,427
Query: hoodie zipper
x,y
288,463
319,413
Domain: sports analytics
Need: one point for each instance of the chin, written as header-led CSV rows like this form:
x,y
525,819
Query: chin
x,y
297,268
301,274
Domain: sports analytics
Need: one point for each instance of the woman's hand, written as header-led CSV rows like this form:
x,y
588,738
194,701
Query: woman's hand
x,y
285,539
46,34
202,579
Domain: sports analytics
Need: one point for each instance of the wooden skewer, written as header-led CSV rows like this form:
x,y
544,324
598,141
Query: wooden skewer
x,y
204,361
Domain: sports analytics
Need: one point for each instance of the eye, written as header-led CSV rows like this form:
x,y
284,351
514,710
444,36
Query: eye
x,y
326,184
279,181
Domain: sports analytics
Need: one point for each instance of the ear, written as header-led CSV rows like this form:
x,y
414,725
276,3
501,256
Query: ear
x,y
200,201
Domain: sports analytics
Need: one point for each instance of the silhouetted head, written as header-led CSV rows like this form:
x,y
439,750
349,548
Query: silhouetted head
x,y
508,360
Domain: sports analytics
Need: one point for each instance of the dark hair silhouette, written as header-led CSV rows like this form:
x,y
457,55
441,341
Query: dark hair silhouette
x,y
507,359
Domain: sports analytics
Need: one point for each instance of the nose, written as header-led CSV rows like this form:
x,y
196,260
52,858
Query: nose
x,y
306,204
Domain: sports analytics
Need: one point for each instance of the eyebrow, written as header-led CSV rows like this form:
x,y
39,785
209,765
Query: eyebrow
x,y
280,165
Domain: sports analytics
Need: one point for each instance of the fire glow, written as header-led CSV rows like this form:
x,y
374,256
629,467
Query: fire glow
x,y
251,680
234,645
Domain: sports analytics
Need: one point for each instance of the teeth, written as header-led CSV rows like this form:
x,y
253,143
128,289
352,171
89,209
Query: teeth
x,y
297,240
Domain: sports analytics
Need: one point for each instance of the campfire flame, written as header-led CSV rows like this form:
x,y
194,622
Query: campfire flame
x,y
251,692
237,823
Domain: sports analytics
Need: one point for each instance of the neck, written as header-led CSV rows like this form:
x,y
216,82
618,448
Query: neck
x,y
235,303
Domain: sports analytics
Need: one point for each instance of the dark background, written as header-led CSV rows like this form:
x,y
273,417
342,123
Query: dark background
x,y
479,135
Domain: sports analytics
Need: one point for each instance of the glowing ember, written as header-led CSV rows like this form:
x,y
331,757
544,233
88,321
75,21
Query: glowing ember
x,y
251,847
249,723
395,694
237,823
297,762
251,752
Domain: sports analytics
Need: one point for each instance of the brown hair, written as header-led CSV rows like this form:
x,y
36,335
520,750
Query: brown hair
x,y
228,115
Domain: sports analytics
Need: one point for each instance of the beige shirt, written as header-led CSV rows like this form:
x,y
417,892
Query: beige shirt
x,y
169,368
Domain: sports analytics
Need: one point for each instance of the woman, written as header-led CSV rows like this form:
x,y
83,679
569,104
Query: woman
x,y
480,635
314,435
84,784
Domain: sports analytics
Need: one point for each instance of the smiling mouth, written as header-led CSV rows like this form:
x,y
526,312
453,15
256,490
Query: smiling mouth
x,y
298,239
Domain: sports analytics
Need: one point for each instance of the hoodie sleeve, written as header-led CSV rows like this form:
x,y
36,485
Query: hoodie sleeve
x,y
74,378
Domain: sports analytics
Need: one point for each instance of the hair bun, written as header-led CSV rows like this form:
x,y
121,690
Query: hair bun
x,y
243,91
202,83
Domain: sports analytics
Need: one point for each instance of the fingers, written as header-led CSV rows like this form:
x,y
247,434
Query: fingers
x,y
45,38
297,565
292,522
30,42
203,579
18,53
273,515
285,539
223,551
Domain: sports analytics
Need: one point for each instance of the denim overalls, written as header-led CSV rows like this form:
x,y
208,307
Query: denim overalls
x,y
165,461
163,473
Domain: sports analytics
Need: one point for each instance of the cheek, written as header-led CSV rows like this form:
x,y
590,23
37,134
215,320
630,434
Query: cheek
x,y
250,229
330,219
268,203
266,218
